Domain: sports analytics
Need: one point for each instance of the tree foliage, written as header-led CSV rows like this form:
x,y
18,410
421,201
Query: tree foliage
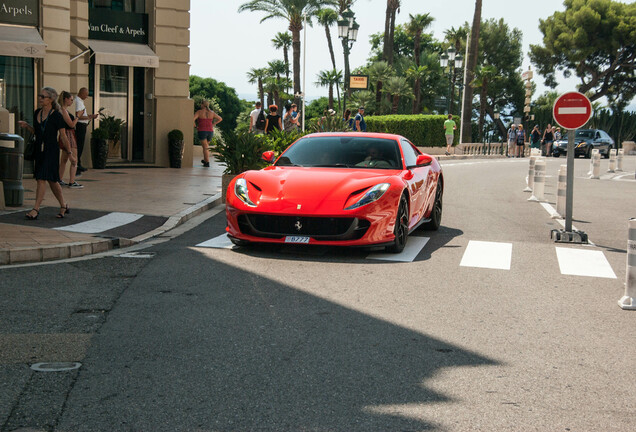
x,y
226,97
594,40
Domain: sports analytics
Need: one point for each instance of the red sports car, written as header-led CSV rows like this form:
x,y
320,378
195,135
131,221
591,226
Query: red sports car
x,y
345,189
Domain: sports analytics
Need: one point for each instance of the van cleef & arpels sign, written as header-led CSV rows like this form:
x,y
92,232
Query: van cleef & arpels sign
x,y
106,24
22,12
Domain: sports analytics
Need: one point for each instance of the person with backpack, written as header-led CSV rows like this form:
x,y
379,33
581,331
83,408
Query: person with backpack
x,y
257,119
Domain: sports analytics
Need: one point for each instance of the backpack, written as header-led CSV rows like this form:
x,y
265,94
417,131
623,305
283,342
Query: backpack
x,y
260,120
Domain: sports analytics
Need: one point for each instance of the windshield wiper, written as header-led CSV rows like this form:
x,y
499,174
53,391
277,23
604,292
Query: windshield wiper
x,y
338,165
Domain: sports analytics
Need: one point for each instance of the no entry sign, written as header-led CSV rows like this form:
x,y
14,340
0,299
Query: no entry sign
x,y
572,110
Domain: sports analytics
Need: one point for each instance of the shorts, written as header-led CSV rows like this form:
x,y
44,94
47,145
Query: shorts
x,y
449,139
70,135
205,135
520,143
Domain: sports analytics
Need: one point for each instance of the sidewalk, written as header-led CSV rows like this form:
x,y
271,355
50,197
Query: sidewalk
x,y
168,195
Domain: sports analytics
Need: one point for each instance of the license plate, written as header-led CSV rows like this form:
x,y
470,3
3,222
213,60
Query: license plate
x,y
296,239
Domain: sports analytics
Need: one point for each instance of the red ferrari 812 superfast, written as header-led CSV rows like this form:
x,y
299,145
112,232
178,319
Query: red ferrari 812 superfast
x,y
339,189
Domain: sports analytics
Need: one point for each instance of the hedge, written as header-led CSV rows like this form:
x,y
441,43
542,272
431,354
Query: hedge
x,y
422,130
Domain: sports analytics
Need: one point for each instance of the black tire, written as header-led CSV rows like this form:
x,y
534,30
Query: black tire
x,y
588,153
436,213
401,229
609,149
556,154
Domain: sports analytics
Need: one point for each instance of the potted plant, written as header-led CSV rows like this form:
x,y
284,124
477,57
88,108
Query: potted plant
x,y
239,152
175,148
99,147
113,126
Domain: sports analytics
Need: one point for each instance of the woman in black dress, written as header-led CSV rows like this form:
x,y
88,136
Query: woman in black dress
x,y
65,101
273,120
48,122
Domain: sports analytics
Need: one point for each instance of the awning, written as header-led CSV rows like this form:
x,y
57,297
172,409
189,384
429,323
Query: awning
x,y
123,54
21,42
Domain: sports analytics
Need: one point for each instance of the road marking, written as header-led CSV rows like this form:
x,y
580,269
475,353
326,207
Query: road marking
x,y
410,252
490,255
579,262
220,242
101,224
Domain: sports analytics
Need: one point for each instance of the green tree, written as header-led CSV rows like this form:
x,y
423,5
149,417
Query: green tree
x,y
471,64
329,79
225,96
417,74
416,27
397,87
379,72
283,40
483,77
256,76
327,18
291,11
392,8
594,40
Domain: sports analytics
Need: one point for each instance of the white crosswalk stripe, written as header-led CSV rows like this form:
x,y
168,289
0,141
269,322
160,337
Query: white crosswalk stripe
x,y
490,255
220,242
413,247
579,262
101,224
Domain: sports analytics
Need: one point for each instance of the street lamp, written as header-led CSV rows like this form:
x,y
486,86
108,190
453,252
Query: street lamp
x,y
348,33
455,61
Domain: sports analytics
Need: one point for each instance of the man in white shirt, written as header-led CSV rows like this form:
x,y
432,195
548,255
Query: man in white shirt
x,y
82,124
254,118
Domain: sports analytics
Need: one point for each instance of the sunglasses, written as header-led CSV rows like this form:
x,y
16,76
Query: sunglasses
x,y
44,97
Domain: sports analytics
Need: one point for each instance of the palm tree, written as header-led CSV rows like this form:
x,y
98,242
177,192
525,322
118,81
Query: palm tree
x,y
483,76
283,40
471,63
363,98
392,7
416,27
257,76
276,69
293,12
329,78
378,73
457,39
417,73
397,87
327,18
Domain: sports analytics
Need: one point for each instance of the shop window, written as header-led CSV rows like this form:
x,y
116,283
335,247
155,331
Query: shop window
x,y
138,6
17,78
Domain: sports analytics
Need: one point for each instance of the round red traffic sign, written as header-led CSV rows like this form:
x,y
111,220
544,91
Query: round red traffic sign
x,y
572,110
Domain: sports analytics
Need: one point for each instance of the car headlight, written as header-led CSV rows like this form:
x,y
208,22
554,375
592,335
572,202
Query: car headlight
x,y
581,144
241,192
371,195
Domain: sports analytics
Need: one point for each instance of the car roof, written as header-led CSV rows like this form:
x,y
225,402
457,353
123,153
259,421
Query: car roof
x,y
356,134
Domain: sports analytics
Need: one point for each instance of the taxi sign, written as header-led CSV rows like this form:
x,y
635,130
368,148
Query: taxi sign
x,y
572,110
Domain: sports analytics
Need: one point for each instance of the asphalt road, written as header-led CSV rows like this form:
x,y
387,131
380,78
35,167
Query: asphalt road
x,y
271,338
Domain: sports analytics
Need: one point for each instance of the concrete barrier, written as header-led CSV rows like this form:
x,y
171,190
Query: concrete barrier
x,y
619,160
561,192
538,188
530,178
628,301
629,147
612,161
594,151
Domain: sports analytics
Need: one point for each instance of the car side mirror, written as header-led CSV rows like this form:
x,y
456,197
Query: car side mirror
x,y
269,156
423,160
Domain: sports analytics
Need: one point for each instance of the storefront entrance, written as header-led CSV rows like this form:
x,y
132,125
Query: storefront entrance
x,y
120,100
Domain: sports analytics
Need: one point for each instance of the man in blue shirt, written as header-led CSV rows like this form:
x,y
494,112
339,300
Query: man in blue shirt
x,y
360,124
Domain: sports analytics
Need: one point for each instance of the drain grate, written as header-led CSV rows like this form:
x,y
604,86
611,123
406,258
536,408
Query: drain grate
x,y
55,366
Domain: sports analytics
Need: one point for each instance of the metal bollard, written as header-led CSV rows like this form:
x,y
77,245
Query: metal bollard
x,y
596,166
539,181
530,178
619,160
628,301
612,161
561,191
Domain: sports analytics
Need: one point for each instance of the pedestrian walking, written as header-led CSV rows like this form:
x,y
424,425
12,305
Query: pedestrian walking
x,y
290,121
359,124
535,137
449,131
557,133
512,140
521,141
273,120
48,125
347,120
83,118
257,119
205,119
65,101
547,140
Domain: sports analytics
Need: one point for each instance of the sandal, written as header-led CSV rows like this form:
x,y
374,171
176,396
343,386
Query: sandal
x,y
29,216
63,212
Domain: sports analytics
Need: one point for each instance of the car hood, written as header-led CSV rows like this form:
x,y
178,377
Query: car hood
x,y
300,190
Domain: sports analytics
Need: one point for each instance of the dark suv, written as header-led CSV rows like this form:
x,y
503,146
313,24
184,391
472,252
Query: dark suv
x,y
584,142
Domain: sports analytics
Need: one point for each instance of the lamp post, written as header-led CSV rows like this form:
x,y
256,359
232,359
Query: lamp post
x,y
453,61
348,33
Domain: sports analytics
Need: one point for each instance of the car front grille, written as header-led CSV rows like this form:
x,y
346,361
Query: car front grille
x,y
319,228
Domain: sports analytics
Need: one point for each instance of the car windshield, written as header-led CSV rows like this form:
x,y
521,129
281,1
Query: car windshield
x,y
343,152
584,134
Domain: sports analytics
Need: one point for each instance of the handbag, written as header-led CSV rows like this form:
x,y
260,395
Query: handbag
x,y
29,148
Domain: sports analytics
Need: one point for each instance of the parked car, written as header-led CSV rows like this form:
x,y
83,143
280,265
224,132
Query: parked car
x,y
338,189
584,142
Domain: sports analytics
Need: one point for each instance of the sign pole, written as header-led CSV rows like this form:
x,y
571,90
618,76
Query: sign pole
x,y
569,193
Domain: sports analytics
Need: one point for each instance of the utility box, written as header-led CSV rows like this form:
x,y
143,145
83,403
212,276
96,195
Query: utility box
x,y
11,167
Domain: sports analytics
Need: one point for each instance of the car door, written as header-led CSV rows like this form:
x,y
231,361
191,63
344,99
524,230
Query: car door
x,y
417,184
598,142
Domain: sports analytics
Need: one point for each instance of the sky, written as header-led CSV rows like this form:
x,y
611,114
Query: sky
x,y
225,44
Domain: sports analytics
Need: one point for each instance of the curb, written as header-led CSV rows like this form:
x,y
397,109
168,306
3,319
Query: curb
x,y
78,249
